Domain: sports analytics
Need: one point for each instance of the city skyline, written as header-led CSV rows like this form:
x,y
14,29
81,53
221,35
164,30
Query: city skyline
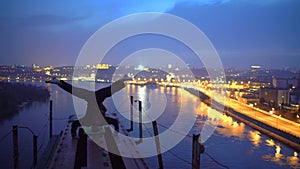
x,y
244,33
106,65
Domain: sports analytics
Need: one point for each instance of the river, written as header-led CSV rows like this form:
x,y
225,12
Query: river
x,y
233,143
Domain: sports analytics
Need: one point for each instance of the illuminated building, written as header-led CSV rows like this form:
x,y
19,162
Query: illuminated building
x,y
103,66
284,83
274,97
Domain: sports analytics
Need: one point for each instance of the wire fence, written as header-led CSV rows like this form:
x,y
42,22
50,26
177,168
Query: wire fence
x,y
5,136
186,135
42,136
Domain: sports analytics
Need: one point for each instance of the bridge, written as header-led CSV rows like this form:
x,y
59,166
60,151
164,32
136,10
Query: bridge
x,y
82,152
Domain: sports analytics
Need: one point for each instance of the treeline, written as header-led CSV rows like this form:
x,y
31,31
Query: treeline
x,y
15,95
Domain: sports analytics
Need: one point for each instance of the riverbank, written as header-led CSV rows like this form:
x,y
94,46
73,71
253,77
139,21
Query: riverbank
x,y
280,135
15,96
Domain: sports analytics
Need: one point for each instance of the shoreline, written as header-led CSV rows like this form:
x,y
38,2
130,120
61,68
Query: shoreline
x,y
282,136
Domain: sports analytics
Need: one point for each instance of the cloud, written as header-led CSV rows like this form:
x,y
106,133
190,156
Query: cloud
x,y
243,26
93,13
59,28
49,20
263,2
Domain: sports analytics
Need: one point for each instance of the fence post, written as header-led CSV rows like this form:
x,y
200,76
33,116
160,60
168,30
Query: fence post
x,y
50,119
140,123
15,146
131,114
140,120
196,152
35,139
159,156
81,151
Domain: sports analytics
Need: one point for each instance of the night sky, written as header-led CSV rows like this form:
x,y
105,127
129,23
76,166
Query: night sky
x,y
244,32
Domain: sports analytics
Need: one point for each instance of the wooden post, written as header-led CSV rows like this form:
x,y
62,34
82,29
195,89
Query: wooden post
x,y
35,139
81,151
159,156
131,114
196,152
140,119
50,119
16,147
140,123
84,142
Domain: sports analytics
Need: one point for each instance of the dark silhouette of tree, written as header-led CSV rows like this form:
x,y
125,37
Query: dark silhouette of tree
x,y
14,95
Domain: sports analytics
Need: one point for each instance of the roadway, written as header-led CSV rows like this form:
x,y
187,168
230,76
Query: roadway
x,y
265,117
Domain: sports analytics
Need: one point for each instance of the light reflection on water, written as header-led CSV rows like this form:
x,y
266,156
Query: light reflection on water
x,y
255,138
281,159
248,148
228,127
270,142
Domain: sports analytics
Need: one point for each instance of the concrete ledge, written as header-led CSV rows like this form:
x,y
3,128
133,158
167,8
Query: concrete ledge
x,y
64,156
48,153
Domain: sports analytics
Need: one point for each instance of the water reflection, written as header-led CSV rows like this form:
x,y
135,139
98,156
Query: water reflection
x,y
230,127
277,157
230,135
270,143
255,138
281,159
277,154
226,125
293,161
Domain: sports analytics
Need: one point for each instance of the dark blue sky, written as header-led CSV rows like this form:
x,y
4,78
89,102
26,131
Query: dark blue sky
x,y
244,32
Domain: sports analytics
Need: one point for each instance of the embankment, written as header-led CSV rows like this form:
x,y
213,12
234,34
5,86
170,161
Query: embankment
x,y
282,136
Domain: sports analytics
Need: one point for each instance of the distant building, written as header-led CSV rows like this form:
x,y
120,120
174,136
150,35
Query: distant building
x,y
298,85
103,66
295,96
249,99
254,71
254,75
299,108
284,83
274,97
254,68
